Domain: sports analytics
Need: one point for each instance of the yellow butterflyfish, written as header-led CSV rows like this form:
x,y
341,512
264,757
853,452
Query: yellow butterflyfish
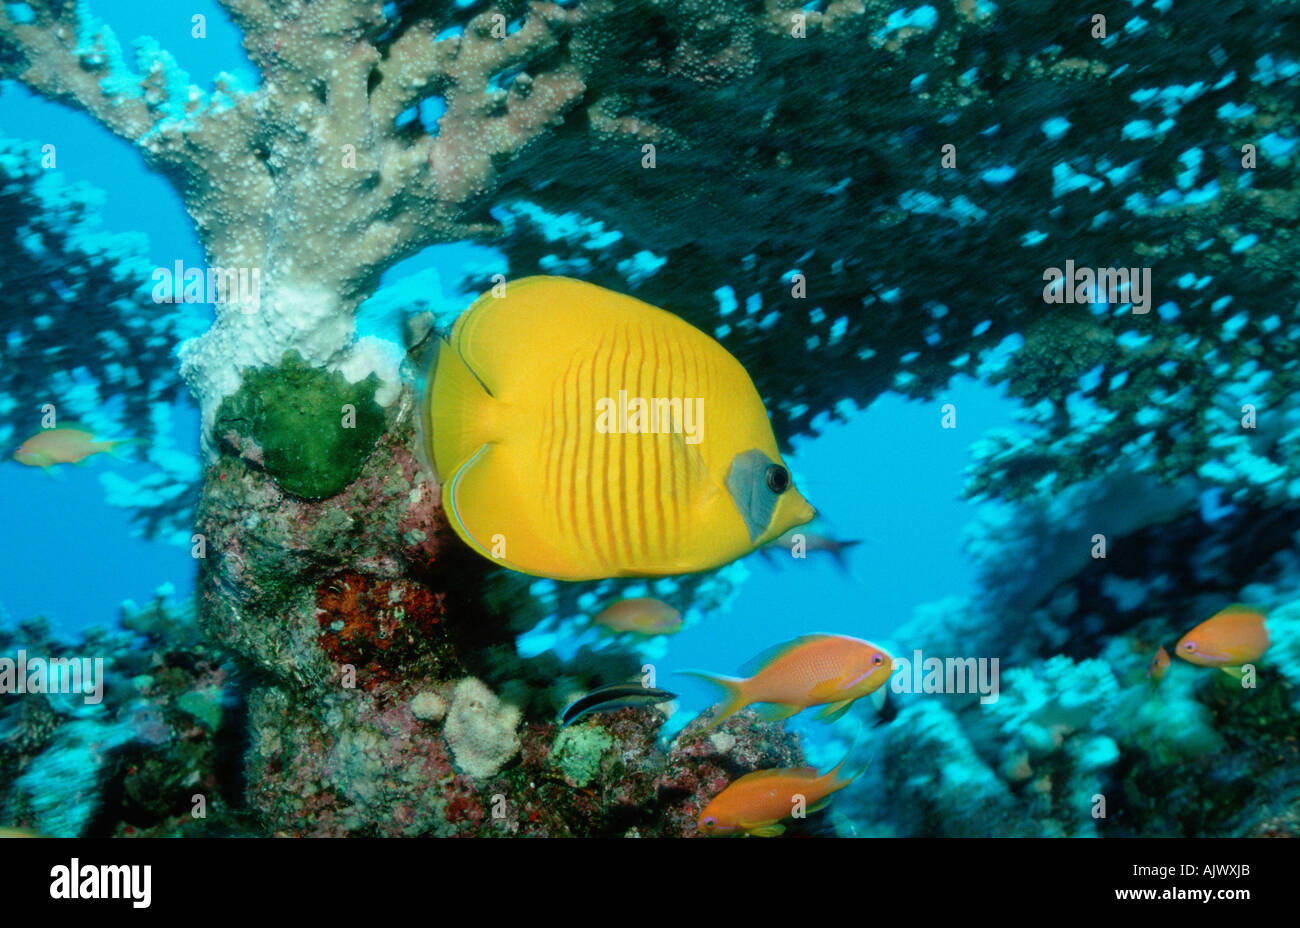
x,y
580,433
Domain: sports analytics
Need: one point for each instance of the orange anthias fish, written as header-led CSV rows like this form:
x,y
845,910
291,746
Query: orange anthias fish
x,y
641,616
62,446
816,670
756,803
1159,665
1234,636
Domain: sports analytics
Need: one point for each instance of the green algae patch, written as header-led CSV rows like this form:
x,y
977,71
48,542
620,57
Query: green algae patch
x,y
577,752
204,706
311,430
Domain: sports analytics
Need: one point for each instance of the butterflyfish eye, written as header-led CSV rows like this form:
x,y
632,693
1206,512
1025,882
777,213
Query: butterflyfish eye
x,y
778,479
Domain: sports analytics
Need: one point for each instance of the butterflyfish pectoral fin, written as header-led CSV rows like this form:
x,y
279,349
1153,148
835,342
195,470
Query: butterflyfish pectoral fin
x,y
458,404
480,524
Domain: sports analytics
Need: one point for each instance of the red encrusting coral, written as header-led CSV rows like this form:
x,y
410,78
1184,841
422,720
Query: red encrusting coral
x,y
377,626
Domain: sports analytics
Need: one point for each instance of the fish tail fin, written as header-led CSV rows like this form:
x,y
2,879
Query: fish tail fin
x,y
112,446
456,398
837,552
735,697
841,775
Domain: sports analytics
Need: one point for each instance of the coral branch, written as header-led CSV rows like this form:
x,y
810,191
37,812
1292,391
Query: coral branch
x,y
52,55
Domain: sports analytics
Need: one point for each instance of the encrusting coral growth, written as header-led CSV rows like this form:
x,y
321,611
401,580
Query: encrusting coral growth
x,y
287,419
155,757
480,729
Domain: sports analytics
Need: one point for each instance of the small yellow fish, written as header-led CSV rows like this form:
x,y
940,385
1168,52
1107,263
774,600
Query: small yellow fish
x,y
815,670
1231,637
757,802
1159,665
641,616
580,434
62,446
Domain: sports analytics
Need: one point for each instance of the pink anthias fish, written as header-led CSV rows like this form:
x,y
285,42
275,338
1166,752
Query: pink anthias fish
x,y
63,446
641,616
831,671
1227,640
